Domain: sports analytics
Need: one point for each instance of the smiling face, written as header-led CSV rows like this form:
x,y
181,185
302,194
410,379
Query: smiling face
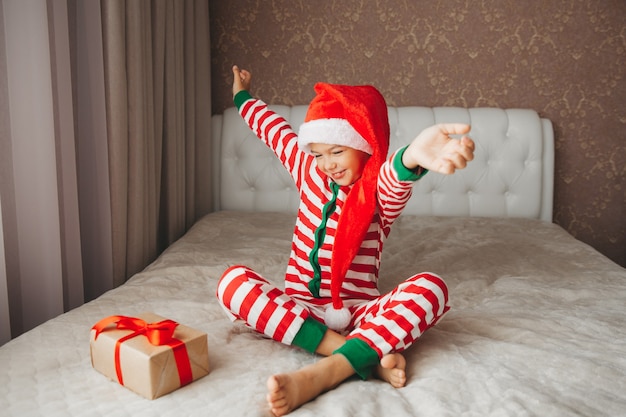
x,y
342,164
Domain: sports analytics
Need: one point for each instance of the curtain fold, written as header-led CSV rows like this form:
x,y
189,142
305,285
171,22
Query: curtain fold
x,y
32,186
91,116
64,132
130,164
157,81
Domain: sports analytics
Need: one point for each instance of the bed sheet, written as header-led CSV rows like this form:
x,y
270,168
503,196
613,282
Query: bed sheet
x,y
536,328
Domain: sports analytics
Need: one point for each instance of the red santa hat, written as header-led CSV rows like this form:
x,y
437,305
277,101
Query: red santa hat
x,y
354,116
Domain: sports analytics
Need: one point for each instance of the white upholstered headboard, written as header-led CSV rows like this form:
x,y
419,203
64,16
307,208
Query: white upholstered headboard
x,y
511,175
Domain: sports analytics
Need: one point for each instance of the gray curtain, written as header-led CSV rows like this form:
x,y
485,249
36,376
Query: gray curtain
x,y
104,145
157,83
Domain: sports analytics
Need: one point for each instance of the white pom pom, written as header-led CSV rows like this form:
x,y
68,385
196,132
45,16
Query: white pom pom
x,y
337,319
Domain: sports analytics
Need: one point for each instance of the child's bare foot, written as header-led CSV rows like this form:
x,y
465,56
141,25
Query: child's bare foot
x,y
286,392
392,369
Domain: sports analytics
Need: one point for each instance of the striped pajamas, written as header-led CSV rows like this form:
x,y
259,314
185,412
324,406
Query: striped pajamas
x,y
387,323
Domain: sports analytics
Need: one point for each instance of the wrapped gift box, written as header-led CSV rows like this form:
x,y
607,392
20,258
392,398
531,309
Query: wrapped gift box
x,y
144,355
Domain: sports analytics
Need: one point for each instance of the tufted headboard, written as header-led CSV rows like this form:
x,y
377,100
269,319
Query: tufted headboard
x,y
511,175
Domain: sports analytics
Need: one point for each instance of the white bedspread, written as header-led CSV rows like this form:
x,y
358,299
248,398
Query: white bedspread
x,y
537,328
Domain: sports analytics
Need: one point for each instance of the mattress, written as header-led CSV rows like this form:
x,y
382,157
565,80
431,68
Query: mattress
x,y
536,328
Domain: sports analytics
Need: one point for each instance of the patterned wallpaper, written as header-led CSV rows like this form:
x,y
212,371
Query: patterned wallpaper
x,y
564,58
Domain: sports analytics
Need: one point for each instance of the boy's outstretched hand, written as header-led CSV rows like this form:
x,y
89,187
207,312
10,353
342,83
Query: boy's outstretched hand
x,y
241,80
436,151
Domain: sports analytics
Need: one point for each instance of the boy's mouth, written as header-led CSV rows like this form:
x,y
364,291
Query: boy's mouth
x,y
337,175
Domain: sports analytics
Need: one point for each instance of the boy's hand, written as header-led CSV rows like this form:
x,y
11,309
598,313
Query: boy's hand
x,y
436,151
241,80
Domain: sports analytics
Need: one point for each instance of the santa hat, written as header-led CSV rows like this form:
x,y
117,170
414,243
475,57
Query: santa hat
x,y
353,116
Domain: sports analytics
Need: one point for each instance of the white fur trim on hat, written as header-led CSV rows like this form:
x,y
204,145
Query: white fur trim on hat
x,y
331,132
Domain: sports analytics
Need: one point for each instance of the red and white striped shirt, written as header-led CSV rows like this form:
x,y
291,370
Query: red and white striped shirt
x,y
393,192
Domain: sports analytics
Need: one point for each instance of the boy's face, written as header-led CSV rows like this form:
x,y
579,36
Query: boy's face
x,y
342,164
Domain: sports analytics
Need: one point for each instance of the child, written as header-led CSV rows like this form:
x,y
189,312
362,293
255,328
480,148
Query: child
x,y
351,193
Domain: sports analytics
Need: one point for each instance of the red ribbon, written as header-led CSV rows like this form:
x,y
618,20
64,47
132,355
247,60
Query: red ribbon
x,y
158,334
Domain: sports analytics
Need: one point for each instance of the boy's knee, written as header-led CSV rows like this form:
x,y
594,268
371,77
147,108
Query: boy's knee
x,y
232,275
428,280
432,288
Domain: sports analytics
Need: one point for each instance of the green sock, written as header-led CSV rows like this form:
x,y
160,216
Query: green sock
x,y
360,355
310,335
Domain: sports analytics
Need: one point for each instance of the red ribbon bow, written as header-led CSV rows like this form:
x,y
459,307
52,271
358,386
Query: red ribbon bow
x,y
158,334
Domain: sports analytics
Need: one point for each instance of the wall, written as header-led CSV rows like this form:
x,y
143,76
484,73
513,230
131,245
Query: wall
x,y
564,58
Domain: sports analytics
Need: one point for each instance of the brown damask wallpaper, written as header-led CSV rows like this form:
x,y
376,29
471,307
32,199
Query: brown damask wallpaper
x,y
564,58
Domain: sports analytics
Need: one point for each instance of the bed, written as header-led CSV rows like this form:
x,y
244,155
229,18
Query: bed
x,y
537,320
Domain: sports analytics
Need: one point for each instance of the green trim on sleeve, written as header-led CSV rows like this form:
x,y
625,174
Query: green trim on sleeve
x,y
241,97
360,355
404,173
310,335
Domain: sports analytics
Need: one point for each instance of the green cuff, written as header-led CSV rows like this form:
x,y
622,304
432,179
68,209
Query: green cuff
x,y
310,335
360,355
241,97
404,173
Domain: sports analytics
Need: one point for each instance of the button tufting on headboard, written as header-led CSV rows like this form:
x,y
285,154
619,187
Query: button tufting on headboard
x,y
511,175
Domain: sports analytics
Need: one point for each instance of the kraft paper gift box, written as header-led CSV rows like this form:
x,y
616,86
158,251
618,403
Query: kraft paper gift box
x,y
148,354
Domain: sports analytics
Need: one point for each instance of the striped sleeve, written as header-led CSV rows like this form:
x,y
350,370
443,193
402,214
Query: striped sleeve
x,y
395,185
273,130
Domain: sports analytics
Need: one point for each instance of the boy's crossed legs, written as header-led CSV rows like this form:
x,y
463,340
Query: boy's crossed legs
x,y
241,288
288,391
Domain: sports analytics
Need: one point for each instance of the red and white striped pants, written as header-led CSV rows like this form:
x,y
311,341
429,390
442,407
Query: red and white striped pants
x,y
389,323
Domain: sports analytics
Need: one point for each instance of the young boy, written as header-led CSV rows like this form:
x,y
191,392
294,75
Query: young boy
x,y
351,194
